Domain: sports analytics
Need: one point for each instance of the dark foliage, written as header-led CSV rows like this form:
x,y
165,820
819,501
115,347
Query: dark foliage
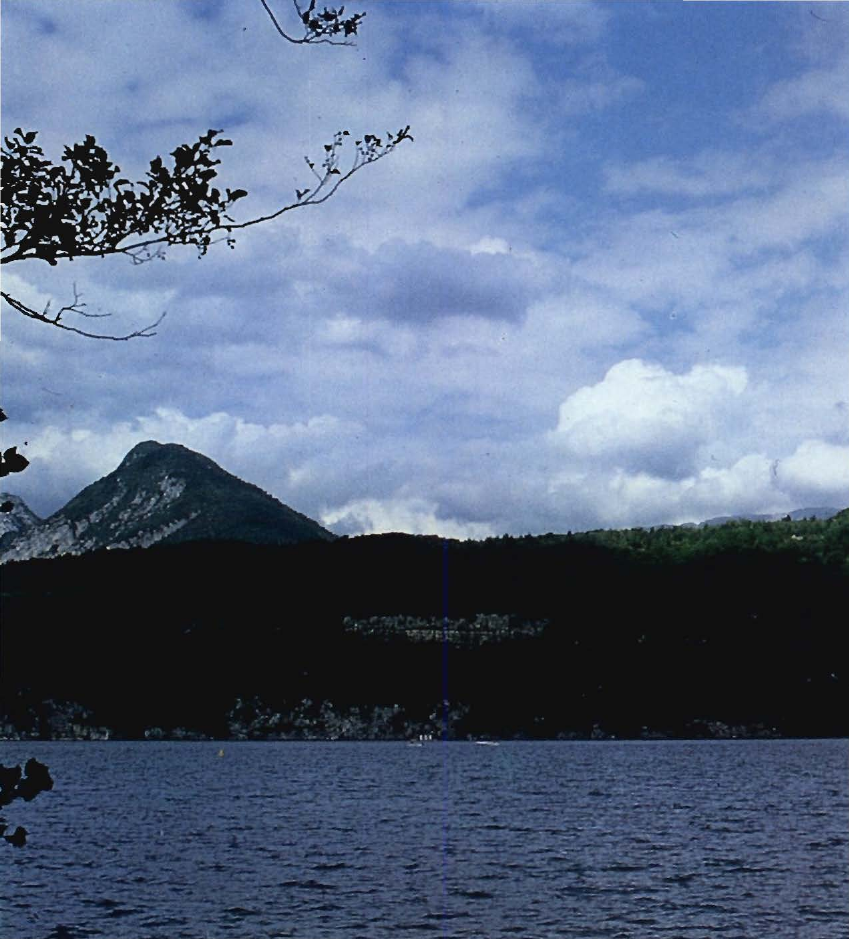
x,y
86,209
328,25
52,212
633,644
23,784
12,462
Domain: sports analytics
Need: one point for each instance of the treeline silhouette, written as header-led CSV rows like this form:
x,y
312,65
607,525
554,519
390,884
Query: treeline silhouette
x,y
681,632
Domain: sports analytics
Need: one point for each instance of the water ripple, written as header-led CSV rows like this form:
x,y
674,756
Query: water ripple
x,y
669,840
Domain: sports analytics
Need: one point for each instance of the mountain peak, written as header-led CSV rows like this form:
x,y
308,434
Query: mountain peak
x,y
153,448
163,493
143,449
16,517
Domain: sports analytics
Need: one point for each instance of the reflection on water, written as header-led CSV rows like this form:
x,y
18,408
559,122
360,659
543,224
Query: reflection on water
x,y
569,839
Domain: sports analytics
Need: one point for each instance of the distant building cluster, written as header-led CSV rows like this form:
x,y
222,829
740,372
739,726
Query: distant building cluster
x,y
468,631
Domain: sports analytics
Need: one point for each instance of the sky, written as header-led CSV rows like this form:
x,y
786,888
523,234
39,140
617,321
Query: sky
x,y
605,286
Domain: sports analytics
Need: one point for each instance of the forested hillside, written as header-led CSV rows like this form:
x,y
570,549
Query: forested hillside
x,y
735,629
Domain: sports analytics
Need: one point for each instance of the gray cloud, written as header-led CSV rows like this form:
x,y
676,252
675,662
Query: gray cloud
x,y
387,359
421,283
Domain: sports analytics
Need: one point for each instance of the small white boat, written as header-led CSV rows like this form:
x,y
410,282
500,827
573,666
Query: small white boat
x,y
487,743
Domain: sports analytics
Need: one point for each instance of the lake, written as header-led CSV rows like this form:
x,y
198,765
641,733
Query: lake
x,y
686,840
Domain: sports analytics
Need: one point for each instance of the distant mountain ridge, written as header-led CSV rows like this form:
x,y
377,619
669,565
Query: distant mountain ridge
x,y
797,515
159,493
169,493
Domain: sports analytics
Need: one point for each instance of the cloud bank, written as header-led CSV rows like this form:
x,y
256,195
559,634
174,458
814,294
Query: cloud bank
x,y
607,284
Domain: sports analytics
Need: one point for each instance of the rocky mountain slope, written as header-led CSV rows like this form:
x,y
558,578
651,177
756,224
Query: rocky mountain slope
x,y
16,516
159,493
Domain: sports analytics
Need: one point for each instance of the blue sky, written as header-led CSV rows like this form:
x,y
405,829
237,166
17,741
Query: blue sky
x,y
606,286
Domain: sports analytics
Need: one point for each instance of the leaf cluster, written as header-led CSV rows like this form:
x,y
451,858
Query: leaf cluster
x,y
23,784
367,150
329,23
86,209
12,462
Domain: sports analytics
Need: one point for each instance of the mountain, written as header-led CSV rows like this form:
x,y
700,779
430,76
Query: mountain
x,y
159,493
16,516
796,515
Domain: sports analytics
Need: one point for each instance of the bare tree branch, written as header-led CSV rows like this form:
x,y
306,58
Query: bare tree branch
x,y
76,307
143,255
368,150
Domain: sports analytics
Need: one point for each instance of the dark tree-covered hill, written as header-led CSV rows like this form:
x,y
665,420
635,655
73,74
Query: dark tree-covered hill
x,y
674,631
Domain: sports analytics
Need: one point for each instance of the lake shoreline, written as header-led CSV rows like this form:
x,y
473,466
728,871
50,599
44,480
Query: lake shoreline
x,y
180,734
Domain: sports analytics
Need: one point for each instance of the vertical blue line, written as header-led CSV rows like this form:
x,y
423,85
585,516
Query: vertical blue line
x,y
445,781
444,640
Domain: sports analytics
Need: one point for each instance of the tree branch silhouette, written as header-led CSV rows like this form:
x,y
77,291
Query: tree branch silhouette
x,y
83,209
44,317
319,27
52,212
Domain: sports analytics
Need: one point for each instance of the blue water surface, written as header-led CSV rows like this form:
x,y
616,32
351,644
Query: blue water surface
x,y
629,840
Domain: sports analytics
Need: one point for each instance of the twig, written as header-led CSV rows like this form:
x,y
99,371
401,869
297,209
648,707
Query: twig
x,y
145,333
144,254
307,39
364,157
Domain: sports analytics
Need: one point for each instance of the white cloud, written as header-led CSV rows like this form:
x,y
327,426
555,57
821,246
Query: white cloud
x,y
389,339
643,417
583,319
819,91
749,251
415,516
808,207
277,457
574,23
748,484
489,245
817,470
751,485
447,301
708,174
596,93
